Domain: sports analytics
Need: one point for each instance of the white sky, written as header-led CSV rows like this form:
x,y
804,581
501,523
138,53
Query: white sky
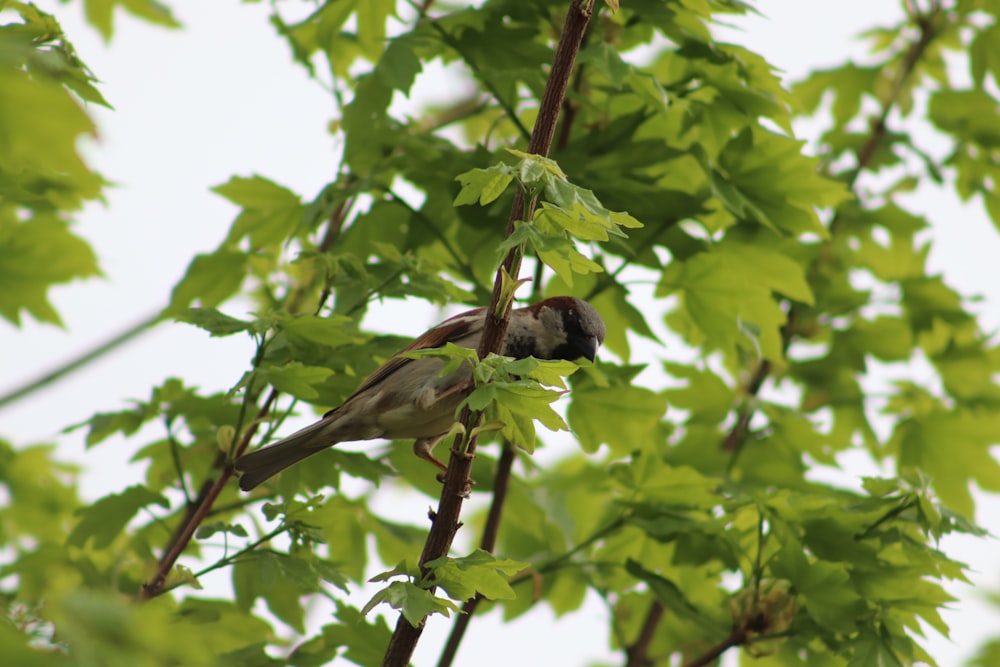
x,y
221,97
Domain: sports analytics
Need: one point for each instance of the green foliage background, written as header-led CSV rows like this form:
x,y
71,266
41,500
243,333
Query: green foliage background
x,y
689,509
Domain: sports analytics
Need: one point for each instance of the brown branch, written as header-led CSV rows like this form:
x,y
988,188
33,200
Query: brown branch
x,y
456,484
926,23
201,507
637,655
738,637
501,482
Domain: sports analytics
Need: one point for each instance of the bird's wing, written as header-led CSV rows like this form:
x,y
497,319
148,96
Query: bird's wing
x,y
453,330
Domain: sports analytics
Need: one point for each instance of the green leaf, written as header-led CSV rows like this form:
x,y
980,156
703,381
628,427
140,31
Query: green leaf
x,y
483,185
364,642
210,280
399,66
671,595
719,298
372,17
334,331
969,115
870,651
849,84
918,443
828,596
21,648
99,13
767,267
623,416
43,123
213,321
416,603
207,530
521,398
479,572
706,396
548,372
295,378
106,518
984,54
34,256
271,212
453,355
765,177
886,338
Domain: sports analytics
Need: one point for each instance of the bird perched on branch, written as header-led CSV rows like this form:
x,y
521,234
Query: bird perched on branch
x,y
407,398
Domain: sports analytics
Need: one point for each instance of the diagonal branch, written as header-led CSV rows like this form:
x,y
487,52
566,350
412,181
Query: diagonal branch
x,y
85,358
201,507
446,520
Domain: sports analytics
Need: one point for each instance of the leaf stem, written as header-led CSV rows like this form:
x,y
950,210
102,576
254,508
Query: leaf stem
x,y
228,560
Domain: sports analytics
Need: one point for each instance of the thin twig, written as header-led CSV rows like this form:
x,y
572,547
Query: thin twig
x,y
85,358
194,518
228,560
446,520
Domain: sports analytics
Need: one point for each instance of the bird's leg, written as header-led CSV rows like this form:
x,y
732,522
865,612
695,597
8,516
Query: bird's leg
x,y
423,448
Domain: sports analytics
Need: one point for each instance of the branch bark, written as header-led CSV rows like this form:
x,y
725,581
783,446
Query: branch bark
x,y
738,637
456,484
501,482
637,655
201,506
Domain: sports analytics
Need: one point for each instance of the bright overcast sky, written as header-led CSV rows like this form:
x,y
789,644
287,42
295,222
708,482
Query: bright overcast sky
x,y
222,97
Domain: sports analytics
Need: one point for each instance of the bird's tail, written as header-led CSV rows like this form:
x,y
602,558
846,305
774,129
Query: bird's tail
x,y
257,467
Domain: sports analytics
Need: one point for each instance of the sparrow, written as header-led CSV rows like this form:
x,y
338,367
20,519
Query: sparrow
x,y
408,398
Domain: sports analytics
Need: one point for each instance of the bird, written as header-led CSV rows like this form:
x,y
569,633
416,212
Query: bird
x,y
408,398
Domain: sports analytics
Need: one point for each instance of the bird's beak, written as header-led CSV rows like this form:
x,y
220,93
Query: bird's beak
x,y
589,348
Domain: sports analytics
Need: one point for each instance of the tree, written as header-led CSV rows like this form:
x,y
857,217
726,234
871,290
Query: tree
x,y
690,507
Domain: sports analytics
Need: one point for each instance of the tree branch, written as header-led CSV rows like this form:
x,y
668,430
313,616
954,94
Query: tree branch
x,y
637,655
446,520
201,507
738,637
501,482
197,512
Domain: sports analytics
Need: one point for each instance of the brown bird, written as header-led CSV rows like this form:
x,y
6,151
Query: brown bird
x,y
407,398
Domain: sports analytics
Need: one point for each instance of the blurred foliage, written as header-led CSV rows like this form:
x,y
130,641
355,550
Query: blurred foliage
x,y
43,85
792,277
